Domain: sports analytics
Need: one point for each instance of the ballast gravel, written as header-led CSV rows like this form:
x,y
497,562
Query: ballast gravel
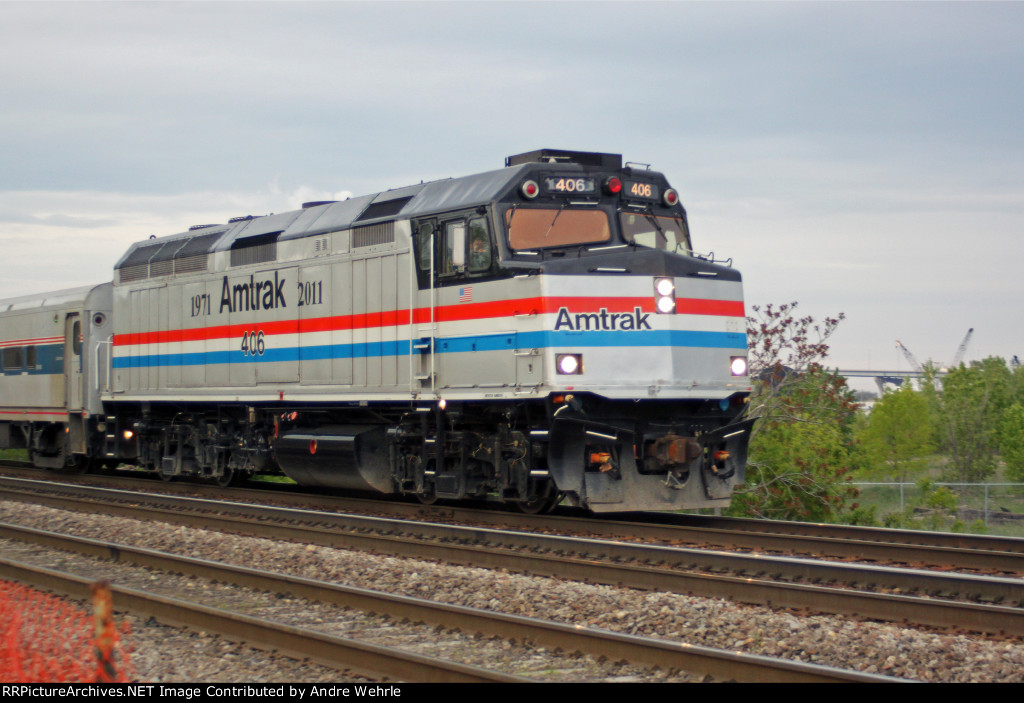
x,y
165,654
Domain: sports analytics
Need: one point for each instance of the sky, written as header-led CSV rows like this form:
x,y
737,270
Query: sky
x,y
864,158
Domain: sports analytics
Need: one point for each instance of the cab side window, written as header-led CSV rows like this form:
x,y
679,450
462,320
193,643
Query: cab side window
x,y
480,251
453,249
463,249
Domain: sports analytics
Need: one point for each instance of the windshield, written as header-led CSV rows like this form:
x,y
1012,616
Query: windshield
x,y
647,230
538,228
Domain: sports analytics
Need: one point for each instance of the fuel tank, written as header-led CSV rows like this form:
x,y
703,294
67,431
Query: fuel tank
x,y
350,457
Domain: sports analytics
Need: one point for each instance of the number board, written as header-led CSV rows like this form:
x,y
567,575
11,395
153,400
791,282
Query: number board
x,y
562,185
638,190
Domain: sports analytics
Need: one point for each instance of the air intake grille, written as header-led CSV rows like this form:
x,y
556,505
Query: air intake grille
x,y
255,250
134,273
370,235
188,264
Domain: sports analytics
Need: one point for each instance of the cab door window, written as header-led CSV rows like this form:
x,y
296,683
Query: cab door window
x,y
424,240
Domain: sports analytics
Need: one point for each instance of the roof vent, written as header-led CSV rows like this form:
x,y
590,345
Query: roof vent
x,y
317,203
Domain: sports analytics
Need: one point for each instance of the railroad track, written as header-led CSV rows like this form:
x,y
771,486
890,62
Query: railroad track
x,y
960,552
981,603
390,663
345,654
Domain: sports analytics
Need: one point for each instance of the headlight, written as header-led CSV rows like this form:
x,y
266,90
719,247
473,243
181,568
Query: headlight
x,y
569,364
738,365
665,295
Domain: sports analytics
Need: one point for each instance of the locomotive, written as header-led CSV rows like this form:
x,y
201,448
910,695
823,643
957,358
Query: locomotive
x,y
537,334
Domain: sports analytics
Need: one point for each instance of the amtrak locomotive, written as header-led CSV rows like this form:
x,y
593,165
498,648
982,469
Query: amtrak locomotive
x,y
535,334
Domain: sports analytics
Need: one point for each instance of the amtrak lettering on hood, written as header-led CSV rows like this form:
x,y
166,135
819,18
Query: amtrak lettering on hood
x,y
254,295
602,320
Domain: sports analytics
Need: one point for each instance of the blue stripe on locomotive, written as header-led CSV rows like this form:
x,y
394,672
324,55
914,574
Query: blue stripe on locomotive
x,y
493,342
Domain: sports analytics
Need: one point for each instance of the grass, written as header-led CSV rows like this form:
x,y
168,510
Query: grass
x,y
959,508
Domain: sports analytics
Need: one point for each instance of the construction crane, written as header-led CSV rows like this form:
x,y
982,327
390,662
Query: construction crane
x,y
910,357
962,350
956,359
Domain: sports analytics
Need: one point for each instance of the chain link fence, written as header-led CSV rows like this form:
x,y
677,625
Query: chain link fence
x,y
998,507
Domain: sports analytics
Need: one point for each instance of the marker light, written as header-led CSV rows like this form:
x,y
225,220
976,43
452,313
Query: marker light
x,y
569,364
670,197
529,189
612,186
738,365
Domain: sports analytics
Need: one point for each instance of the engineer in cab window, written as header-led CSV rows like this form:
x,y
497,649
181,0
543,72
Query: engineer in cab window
x,y
479,247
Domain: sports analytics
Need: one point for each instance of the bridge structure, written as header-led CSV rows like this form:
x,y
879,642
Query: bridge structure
x,y
895,378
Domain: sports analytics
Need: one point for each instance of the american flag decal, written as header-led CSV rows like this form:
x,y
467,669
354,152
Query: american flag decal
x,y
466,294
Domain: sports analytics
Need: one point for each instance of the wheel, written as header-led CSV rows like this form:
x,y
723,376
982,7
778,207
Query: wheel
x,y
543,503
427,498
537,506
226,479
76,464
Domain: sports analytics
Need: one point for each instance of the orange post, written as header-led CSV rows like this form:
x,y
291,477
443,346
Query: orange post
x,y
106,634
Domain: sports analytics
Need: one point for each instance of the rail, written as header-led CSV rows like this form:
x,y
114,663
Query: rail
x,y
648,651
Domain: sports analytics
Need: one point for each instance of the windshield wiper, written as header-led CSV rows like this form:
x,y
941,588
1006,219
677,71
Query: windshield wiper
x,y
649,214
554,220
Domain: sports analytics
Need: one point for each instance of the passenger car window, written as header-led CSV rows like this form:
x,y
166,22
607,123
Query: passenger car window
x,y
12,359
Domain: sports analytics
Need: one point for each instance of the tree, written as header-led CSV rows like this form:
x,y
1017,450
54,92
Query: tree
x,y
1011,441
801,448
898,434
970,407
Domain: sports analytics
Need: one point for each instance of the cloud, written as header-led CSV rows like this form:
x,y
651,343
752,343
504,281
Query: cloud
x,y
864,157
61,239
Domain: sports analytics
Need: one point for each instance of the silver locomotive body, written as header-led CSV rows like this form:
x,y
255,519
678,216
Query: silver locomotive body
x,y
536,333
